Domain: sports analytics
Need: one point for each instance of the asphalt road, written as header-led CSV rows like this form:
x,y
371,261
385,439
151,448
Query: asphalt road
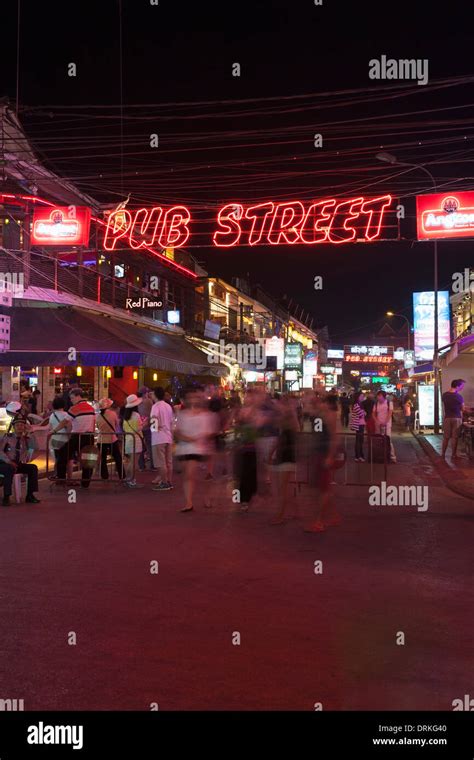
x,y
82,572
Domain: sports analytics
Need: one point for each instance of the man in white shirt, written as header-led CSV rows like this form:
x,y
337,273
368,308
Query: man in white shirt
x,y
161,425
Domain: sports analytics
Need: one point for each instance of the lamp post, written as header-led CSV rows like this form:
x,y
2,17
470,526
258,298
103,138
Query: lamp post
x,y
389,158
394,314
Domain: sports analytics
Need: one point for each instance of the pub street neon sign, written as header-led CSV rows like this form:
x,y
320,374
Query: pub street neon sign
x,y
327,221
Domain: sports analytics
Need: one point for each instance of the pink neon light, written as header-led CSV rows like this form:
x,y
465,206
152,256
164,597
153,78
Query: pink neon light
x,y
290,223
175,231
258,221
319,230
348,216
284,223
228,217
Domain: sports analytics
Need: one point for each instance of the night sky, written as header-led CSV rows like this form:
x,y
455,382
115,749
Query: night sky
x,y
304,70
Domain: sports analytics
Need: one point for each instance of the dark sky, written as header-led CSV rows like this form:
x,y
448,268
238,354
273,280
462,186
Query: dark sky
x,y
177,82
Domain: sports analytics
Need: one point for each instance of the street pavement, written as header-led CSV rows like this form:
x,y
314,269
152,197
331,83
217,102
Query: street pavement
x,y
80,572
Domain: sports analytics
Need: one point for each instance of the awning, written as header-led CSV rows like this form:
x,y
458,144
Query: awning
x,y
44,336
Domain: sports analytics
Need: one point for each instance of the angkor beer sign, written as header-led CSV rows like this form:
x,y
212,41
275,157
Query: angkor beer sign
x,y
445,215
330,220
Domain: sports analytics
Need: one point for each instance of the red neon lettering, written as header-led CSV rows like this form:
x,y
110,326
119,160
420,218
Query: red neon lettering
x,y
259,219
228,217
175,232
145,222
337,226
115,230
312,230
283,228
375,209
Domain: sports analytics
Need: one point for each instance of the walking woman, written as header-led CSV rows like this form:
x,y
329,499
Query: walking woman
x,y
358,416
285,463
133,438
195,428
383,413
246,432
107,425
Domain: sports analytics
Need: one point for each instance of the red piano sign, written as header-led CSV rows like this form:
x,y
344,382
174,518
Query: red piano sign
x,y
61,225
445,215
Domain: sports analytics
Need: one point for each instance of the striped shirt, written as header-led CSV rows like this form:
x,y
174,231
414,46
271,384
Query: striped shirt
x,y
83,417
357,416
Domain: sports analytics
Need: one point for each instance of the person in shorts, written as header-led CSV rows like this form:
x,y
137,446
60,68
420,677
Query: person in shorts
x,y
453,404
195,430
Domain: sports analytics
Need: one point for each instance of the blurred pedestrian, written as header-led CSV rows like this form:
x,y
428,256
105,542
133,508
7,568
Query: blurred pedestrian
x,y
358,424
161,426
107,424
322,461
194,431
383,414
144,410
345,409
285,455
133,444
407,411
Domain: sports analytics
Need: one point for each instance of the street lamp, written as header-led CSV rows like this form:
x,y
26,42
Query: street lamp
x,y
394,314
389,158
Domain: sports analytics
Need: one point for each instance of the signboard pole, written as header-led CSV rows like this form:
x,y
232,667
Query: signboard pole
x,y
436,347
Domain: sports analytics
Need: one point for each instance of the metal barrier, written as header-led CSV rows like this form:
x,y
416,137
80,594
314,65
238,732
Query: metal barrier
x,y
98,460
351,473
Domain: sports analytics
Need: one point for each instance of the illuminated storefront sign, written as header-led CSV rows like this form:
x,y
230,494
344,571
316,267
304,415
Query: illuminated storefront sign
x,y
426,405
310,368
370,354
423,314
290,223
293,356
61,225
335,353
369,350
368,359
409,360
275,347
326,369
442,215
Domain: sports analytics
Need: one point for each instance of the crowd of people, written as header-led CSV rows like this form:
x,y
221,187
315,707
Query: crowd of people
x,y
251,439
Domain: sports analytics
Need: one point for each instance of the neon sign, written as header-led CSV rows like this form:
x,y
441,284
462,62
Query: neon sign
x,y
445,216
140,229
327,221
61,226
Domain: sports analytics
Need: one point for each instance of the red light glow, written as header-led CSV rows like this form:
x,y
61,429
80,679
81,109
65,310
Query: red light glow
x,y
290,223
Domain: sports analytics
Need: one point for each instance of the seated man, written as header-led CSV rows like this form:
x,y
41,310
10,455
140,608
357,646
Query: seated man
x,y
10,457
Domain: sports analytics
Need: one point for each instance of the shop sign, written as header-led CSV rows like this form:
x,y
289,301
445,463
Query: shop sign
x,y
143,304
61,225
293,355
330,220
443,215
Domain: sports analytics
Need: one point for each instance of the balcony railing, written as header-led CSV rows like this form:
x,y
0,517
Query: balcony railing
x,y
86,282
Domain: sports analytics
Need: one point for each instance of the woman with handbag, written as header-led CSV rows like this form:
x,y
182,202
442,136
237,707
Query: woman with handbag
x,y
133,438
107,425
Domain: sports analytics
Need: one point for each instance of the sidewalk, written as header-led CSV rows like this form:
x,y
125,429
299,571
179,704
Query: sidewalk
x,y
457,474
